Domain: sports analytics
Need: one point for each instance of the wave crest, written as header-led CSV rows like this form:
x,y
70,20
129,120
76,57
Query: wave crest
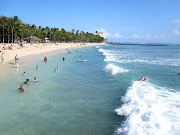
x,y
115,69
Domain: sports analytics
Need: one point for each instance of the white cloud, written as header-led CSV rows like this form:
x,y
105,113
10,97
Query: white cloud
x,y
176,32
147,36
117,35
106,33
177,21
162,36
141,36
137,36
156,36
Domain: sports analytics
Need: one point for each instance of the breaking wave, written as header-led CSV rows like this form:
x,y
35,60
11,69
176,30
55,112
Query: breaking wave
x,y
115,69
149,110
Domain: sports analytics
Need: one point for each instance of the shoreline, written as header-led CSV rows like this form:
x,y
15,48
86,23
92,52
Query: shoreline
x,y
36,52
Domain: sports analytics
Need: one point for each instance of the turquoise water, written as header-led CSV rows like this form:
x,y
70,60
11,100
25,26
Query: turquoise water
x,y
98,97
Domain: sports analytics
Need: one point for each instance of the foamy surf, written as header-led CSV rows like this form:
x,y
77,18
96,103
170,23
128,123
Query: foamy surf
x,y
150,110
115,69
124,56
97,46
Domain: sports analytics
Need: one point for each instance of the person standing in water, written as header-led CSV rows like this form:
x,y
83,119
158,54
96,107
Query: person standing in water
x,y
58,66
37,67
63,58
45,59
56,70
35,79
16,61
22,88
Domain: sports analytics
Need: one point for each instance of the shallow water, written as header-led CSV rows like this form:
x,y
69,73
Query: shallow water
x,y
97,97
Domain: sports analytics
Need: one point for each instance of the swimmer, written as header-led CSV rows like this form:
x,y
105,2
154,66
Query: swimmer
x,y
56,70
35,79
69,51
24,73
37,67
22,88
58,66
27,81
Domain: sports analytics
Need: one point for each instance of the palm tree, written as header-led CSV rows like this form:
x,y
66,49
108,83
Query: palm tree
x,y
8,30
15,21
3,22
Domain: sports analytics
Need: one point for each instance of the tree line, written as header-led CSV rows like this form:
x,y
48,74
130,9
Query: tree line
x,y
13,30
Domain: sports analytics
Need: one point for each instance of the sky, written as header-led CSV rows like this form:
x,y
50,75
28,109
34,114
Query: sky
x,y
140,21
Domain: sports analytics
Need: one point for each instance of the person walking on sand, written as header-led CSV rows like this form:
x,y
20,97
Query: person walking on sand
x,y
2,58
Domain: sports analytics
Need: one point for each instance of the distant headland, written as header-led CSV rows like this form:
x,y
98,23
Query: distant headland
x,y
142,44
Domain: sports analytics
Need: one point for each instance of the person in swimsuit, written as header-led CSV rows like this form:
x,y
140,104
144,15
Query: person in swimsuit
x,y
63,58
27,81
35,79
16,61
142,78
45,59
22,88
37,67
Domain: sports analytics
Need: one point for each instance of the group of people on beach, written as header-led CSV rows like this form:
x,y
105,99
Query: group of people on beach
x,y
7,48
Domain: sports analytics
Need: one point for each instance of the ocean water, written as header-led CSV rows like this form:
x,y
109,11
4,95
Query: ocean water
x,y
101,96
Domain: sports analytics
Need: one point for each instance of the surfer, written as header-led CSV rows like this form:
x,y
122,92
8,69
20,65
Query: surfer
x,y
142,78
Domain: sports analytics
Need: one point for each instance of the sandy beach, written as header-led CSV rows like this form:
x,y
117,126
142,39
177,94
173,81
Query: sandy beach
x,y
30,53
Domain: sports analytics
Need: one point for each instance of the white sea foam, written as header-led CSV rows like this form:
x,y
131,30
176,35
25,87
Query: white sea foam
x,y
150,110
115,69
97,46
123,56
